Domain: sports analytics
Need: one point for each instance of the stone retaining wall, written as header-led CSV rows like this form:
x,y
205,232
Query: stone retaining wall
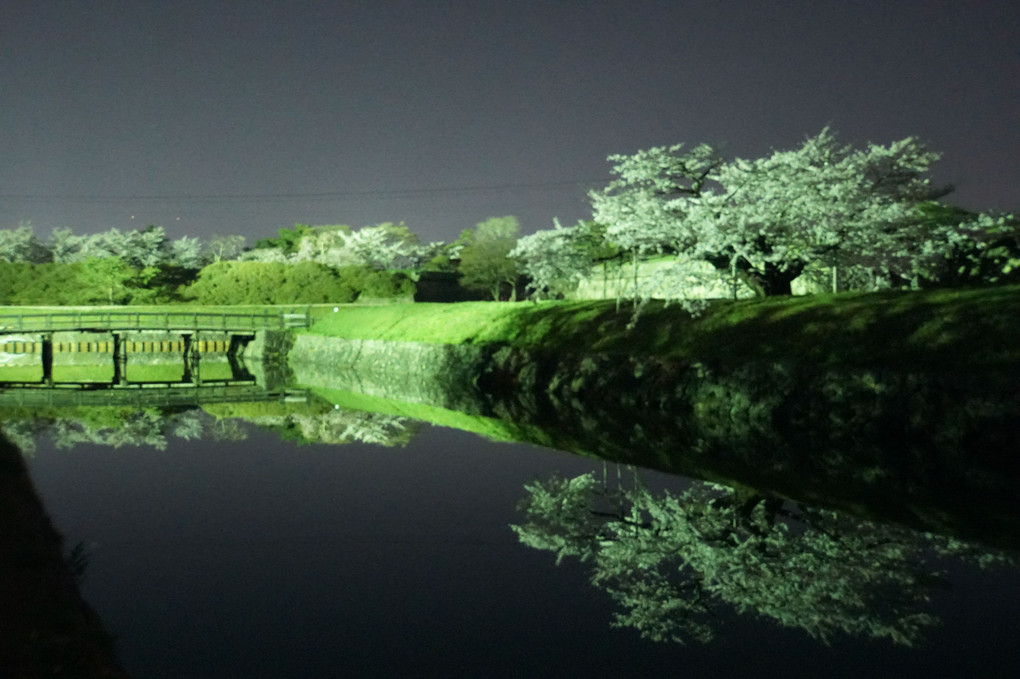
x,y
436,374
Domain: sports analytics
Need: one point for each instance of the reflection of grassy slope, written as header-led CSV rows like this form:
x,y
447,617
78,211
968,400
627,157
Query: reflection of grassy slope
x,y
21,373
84,373
901,328
215,369
489,427
156,372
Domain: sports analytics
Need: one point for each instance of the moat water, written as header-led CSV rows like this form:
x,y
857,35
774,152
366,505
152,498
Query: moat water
x,y
242,553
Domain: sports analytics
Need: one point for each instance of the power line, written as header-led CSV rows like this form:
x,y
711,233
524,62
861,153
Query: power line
x,y
290,197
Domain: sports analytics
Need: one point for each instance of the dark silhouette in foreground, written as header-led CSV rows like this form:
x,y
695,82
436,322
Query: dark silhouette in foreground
x,y
46,628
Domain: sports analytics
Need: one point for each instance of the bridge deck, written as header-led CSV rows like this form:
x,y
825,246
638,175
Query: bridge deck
x,y
47,321
146,395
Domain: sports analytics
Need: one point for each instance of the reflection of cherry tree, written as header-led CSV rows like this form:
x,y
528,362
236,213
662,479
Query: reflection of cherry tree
x,y
673,561
154,427
348,426
109,426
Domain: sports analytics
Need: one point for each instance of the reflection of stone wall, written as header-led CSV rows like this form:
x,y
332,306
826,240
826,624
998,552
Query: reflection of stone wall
x,y
265,357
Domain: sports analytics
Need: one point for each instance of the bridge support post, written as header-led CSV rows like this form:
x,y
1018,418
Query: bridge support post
x,y
47,359
119,359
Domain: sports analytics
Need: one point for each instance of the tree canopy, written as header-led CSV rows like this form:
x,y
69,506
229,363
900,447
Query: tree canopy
x,y
767,219
484,256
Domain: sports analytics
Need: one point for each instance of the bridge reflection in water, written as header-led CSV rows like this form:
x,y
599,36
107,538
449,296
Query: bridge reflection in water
x,y
131,357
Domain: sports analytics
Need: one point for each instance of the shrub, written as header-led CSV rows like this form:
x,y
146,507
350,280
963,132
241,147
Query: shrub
x,y
268,283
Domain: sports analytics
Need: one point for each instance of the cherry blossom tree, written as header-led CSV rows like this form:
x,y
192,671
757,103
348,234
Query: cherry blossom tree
x,y
765,220
556,260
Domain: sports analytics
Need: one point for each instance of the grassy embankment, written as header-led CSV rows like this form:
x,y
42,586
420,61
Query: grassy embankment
x,y
922,329
943,329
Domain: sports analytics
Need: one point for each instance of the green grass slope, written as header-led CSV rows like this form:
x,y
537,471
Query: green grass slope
x,y
949,327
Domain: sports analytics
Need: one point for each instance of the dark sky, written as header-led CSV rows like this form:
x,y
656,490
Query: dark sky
x,y
244,117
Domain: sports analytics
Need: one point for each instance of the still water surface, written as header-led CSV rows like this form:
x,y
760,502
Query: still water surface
x,y
263,558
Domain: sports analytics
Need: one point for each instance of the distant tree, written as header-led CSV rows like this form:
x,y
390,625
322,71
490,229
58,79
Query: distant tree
x,y
485,263
104,245
384,246
265,254
317,241
440,256
64,245
94,281
224,247
146,248
113,281
185,252
21,245
287,240
979,249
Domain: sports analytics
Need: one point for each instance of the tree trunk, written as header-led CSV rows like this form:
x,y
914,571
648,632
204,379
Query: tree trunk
x,y
777,285
776,281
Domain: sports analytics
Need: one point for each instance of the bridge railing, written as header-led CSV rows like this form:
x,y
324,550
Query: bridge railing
x,y
43,321
146,394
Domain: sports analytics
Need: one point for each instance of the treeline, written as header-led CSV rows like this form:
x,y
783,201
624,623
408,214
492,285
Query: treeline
x,y
821,217
146,267
303,264
116,426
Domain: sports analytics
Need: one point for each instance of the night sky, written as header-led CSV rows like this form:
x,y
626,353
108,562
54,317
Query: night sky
x,y
243,117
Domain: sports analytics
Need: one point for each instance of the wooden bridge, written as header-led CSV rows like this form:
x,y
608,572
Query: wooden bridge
x,y
101,348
